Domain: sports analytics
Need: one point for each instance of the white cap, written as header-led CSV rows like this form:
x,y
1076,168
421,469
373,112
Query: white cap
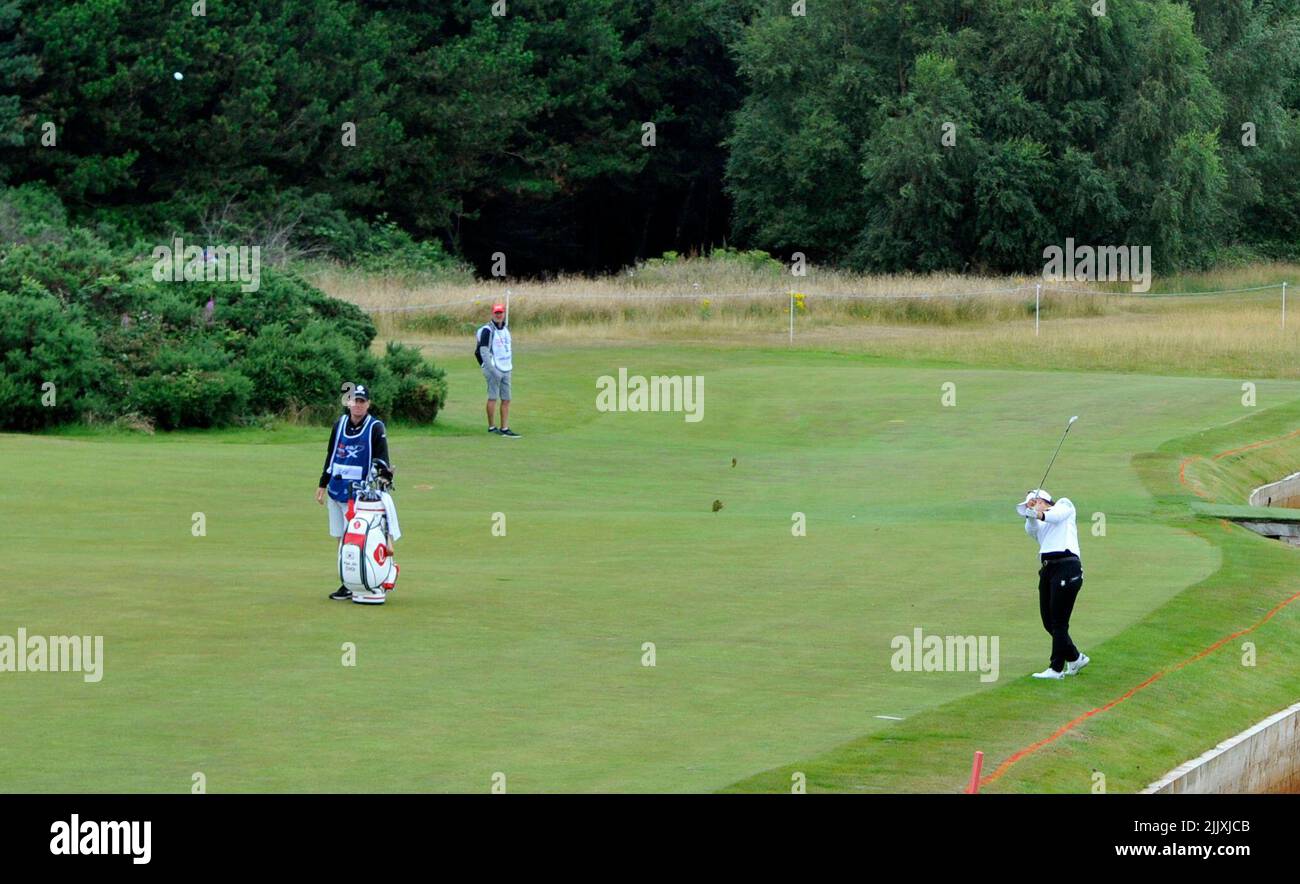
x,y
1038,493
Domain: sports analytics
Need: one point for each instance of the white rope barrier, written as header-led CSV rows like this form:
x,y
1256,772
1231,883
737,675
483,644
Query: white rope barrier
x,y
900,296
1258,288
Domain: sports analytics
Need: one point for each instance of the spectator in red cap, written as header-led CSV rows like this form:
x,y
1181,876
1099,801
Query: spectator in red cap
x,y
492,350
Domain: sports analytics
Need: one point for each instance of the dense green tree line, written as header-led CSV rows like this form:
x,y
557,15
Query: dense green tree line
x,y
1160,123
874,133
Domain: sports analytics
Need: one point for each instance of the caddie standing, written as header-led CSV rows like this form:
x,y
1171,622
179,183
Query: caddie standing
x,y
1060,575
492,350
357,440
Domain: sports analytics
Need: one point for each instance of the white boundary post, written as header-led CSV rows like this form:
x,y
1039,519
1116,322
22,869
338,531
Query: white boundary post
x,y
1038,297
792,317
1284,306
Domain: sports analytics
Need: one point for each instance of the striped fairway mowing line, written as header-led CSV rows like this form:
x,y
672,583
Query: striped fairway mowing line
x,y
1034,747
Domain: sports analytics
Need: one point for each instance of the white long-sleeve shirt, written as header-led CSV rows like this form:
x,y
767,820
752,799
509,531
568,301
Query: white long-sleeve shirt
x,y
1056,531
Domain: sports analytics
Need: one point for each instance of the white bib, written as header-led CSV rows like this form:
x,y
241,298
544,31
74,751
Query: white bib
x,y
501,348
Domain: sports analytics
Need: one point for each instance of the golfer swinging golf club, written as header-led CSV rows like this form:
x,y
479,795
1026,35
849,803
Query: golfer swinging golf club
x,y
1060,574
358,440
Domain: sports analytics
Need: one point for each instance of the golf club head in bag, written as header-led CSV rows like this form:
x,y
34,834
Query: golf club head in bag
x,y
381,475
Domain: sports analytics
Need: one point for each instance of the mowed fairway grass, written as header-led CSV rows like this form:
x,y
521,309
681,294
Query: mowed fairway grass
x,y
523,654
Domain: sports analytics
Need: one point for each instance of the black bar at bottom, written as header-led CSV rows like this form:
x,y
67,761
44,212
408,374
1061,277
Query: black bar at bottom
x,y
336,833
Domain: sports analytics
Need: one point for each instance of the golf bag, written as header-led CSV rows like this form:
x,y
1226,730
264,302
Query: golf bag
x,y
366,565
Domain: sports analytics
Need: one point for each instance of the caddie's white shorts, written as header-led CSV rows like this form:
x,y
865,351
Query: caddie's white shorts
x,y
338,516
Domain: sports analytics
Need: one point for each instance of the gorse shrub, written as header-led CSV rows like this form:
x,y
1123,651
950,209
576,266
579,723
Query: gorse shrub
x,y
92,325
50,361
420,388
191,397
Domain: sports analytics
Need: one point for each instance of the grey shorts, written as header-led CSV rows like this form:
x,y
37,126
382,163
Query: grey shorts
x,y
338,516
498,383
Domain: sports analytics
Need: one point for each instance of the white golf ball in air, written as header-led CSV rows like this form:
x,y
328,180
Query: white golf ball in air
x,y
178,75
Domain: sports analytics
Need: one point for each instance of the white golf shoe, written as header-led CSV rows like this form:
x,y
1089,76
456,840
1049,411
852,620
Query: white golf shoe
x,y
1073,668
1049,672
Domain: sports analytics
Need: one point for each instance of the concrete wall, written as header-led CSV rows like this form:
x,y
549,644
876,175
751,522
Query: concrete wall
x,y
1284,493
1288,532
1263,758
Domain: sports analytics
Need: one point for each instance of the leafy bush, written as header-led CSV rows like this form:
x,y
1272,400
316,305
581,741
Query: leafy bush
x,y
287,300
31,214
421,389
385,248
192,397
76,267
42,343
120,345
305,370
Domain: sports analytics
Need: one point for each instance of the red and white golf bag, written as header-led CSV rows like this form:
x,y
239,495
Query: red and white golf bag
x,y
366,565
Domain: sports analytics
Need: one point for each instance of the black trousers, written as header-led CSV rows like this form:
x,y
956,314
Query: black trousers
x,y
1059,582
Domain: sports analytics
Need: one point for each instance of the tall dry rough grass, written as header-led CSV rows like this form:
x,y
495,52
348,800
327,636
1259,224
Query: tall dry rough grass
x,y
907,317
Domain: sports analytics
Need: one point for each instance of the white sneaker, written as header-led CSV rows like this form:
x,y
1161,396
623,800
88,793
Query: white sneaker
x,y
1049,672
1073,668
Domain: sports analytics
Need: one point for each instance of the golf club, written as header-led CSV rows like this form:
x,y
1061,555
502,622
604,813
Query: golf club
x,y
1058,451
